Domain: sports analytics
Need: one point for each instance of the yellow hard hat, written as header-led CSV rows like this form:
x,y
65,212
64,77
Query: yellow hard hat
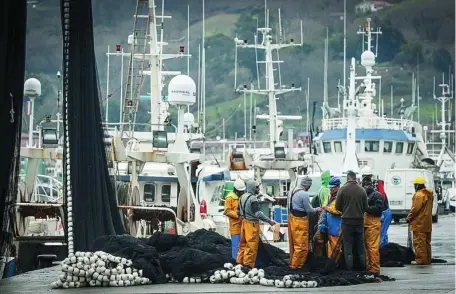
x,y
419,181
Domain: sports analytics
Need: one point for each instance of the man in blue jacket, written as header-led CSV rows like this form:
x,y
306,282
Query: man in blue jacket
x,y
330,222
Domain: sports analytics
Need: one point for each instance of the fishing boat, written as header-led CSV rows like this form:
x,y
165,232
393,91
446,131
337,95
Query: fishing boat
x,y
160,175
380,142
37,214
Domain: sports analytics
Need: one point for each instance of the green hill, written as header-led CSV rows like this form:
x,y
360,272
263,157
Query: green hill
x,y
415,32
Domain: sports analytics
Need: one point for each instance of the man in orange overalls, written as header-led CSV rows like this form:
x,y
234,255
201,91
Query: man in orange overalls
x,y
249,210
420,220
372,224
298,223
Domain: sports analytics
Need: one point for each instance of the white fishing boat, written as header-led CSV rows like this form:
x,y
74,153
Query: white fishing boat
x,y
273,162
380,142
161,173
37,214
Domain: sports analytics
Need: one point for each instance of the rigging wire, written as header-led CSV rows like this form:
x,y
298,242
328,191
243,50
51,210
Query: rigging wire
x,y
226,120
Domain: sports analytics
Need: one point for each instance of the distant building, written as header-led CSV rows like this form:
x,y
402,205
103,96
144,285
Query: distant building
x,y
371,6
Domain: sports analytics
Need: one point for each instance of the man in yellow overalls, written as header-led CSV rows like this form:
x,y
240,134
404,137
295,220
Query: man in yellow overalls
x,y
249,210
420,220
231,205
298,223
372,224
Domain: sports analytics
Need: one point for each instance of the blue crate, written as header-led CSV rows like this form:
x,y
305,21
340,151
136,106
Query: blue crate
x,y
281,215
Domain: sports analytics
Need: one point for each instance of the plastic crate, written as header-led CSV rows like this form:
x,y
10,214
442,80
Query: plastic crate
x,y
281,215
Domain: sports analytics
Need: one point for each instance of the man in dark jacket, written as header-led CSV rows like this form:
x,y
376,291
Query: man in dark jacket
x,y
351,200
372,224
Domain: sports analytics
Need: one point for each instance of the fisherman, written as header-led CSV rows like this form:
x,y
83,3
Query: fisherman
x,y
324,190
249,210
420,220
298,223
319,238
231,205
372,224
386,214
351,200
330,222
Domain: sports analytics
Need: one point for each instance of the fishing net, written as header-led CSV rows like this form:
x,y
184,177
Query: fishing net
x,y
202,255
395,255
12,60
86,179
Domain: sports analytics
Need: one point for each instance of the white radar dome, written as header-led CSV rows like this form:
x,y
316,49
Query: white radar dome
x,y
368,58
32,88
181,91
189,119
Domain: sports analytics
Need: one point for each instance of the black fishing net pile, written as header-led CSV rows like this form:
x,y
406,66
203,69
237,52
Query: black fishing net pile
x,y
202,252
395,255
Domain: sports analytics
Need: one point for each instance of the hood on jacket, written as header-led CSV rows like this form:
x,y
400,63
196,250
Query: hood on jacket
x,y
381,187
325,177
251,187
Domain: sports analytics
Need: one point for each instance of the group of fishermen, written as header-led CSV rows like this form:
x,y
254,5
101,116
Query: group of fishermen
x,y
355,217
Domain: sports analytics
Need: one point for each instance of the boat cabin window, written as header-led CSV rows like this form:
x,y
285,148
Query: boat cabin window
x,y
338,146
388,146
270,190
410,148
327,147
166,193
284,187
358,146
399,147
149,192
371,146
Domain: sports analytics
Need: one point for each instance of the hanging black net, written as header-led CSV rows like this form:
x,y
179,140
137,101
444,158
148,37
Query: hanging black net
x,y
86,177
12,61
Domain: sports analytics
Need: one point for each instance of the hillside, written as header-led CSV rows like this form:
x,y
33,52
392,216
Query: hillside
x,y
414,32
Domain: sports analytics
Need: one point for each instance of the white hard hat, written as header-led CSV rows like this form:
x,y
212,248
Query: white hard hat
x,y
239,185
366,171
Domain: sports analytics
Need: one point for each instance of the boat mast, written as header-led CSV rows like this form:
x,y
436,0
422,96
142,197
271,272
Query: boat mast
x,y
367,91
444,98
351,107
271,92
325,81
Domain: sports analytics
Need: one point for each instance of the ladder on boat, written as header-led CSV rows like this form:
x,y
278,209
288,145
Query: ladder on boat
x,y
137,64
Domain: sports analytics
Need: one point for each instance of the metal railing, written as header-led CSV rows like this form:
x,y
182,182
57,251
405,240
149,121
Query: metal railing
x,y
368,123
46,189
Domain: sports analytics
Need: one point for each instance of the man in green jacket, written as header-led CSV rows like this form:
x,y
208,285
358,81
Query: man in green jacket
x,y
321,200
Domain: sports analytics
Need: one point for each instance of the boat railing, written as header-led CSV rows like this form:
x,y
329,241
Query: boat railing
x,y
46,189
368,123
